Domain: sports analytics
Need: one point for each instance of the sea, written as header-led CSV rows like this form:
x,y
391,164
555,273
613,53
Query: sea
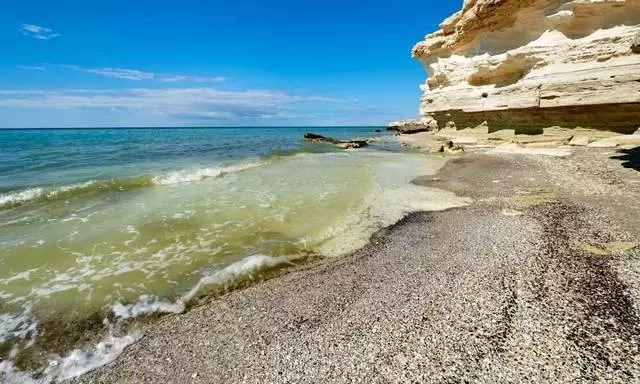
x,y
104,230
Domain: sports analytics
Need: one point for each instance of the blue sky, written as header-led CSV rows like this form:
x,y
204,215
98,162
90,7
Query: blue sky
x,y
79,63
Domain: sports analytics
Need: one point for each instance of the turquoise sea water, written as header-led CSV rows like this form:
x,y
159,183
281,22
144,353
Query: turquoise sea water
x,y
57,157
101,227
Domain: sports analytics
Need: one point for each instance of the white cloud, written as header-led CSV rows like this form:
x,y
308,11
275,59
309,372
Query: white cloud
x,y
31,67
116,73
185,104
38,32
136,75
197,79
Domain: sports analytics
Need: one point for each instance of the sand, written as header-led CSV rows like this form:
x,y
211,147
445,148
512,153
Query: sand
x,y
499,291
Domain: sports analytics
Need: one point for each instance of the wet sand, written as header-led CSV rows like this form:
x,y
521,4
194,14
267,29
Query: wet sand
x,y
535,281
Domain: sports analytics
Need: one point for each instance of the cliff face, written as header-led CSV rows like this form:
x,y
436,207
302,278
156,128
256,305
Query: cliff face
x,y
529,64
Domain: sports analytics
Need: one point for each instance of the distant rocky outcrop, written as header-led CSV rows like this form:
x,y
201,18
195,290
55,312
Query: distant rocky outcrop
x,y
345,144
530,64
426,124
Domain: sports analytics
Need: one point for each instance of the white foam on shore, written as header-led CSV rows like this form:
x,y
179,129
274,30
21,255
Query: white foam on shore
x,y
76,363
146,305
237,270
79,361
150,304
16,325
190,176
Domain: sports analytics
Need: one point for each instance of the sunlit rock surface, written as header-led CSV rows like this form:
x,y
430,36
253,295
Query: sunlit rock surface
x,y
530,64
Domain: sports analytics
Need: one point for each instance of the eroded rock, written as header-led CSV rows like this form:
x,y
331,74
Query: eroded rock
x,y
426,124
530,64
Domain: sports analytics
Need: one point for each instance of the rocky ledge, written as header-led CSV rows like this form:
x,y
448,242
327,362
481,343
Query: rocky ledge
x,y
413,126
531,64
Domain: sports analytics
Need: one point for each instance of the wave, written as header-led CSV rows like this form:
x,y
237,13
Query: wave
x,y
8,199
46,194
235,272
82,360
181,177
76,363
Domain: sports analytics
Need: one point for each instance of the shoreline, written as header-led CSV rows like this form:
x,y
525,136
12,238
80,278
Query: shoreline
x,y
430,292
100,335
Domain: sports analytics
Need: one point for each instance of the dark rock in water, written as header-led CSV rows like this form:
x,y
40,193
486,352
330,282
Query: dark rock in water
x,y
635,44
377,130
346,144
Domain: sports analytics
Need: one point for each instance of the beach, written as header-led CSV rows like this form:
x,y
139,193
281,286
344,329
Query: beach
x,y
320,192
98,241
535,281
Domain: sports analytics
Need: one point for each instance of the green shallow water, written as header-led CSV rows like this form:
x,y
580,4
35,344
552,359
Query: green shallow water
x,y
150,247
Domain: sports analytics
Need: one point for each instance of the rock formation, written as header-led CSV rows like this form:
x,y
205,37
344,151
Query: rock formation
x,y
530,64
344,144
412,126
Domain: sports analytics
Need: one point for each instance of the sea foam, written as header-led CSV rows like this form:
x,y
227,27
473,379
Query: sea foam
x,y
20,197
13,198
151,304
190,176
76,363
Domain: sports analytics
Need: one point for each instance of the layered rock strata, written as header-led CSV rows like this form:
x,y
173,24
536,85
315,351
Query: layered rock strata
x,y
530,64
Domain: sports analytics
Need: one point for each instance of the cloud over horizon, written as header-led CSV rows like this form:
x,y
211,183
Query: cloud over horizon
x,y
37,31
191,105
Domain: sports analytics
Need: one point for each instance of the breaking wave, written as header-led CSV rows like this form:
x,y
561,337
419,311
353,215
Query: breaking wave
x,y
82,360
180,177
76,363
46,194
232,273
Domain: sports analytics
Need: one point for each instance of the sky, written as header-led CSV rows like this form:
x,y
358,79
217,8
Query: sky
x,y
119,63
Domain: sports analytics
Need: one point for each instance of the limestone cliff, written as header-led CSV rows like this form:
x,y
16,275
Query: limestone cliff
x,y
529,64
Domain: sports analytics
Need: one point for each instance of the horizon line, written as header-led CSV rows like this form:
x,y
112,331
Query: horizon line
x,y
199,127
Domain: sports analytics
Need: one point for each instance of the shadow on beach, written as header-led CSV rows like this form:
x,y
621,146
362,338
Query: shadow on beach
x,y
630,158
